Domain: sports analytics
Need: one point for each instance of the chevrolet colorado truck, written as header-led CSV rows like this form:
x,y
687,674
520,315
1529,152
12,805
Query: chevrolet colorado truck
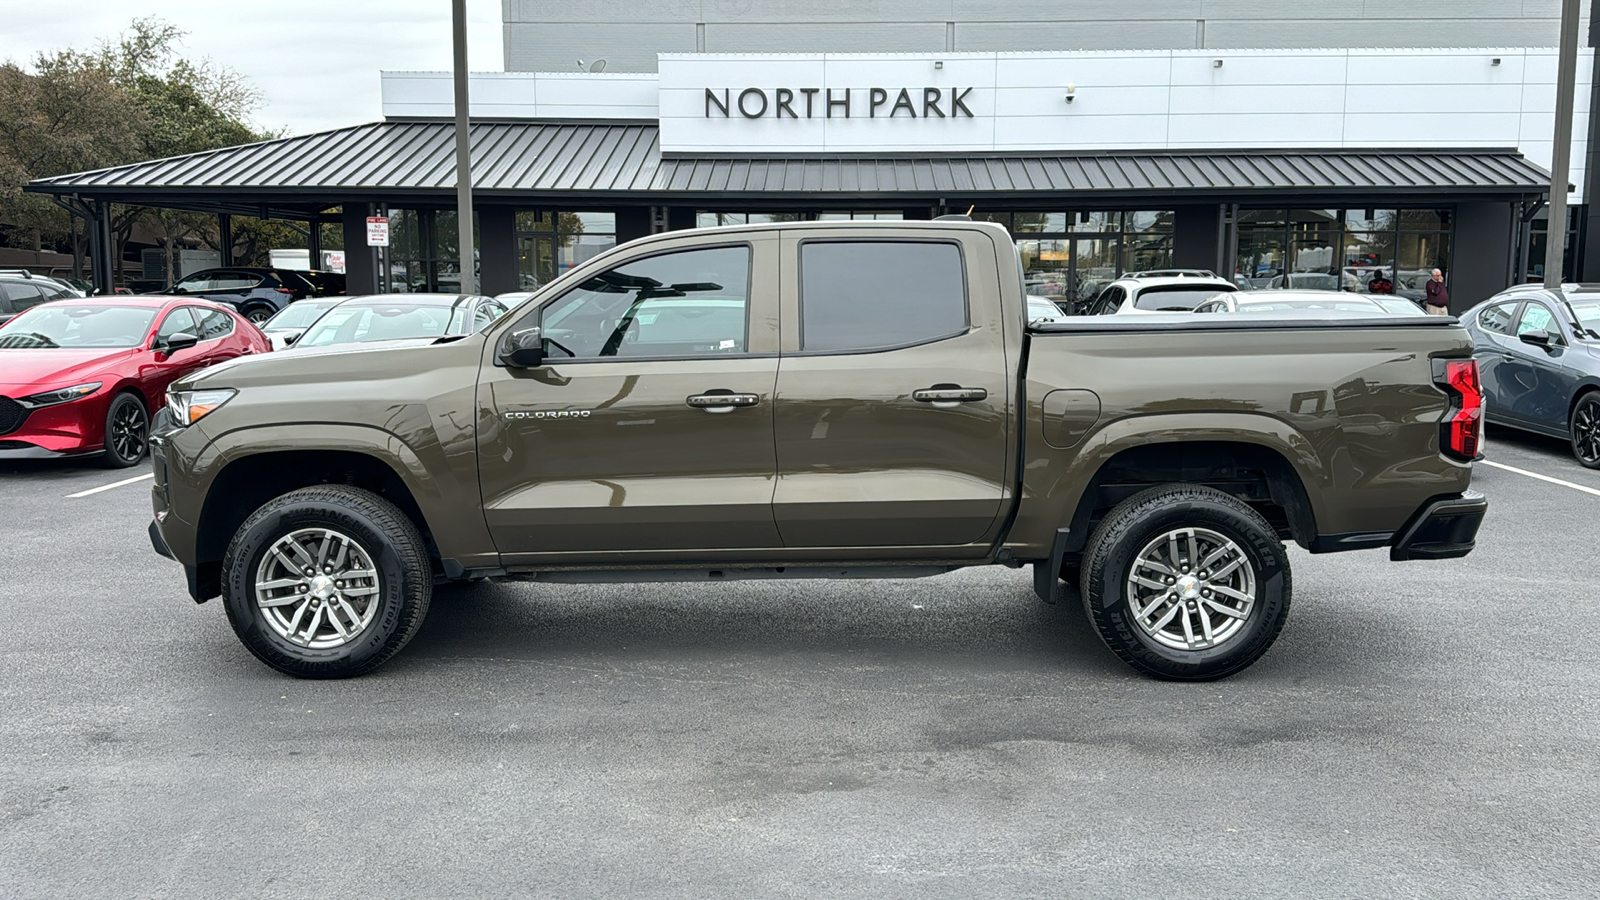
x,y
818,400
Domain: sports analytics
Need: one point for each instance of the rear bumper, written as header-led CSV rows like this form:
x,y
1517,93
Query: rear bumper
x,y
1444,528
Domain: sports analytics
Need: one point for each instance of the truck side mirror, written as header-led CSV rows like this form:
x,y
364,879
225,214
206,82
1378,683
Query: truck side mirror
x,y
523,349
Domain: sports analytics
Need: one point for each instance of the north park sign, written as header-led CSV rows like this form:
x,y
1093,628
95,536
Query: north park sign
x,y
828,103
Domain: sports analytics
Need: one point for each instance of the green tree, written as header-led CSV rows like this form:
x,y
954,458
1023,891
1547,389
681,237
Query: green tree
x,y
125,100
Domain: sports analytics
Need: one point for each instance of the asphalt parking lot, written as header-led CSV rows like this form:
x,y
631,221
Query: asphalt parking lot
x,y
1420,729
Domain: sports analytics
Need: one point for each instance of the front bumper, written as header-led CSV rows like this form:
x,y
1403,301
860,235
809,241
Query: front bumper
x,y
67,429
1444,528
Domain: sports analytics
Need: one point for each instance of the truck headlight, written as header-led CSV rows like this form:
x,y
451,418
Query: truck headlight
x,y
189,407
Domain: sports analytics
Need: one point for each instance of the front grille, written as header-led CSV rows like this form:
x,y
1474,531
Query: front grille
x,y
14,445
12,415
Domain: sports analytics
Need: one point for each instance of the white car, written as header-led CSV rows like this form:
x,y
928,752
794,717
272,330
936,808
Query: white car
x,y
1306,302
1150,294
1042,310
289,323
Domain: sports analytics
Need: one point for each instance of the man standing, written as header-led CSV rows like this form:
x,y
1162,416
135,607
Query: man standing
x,y
1437,301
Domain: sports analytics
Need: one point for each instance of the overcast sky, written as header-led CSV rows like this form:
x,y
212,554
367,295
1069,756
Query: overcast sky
x,y
316,62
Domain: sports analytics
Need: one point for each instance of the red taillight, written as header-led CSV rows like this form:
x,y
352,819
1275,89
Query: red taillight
x,y
283,290
1465,424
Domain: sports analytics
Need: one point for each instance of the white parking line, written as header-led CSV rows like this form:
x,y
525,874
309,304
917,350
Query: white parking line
x,y
127,481
1565,484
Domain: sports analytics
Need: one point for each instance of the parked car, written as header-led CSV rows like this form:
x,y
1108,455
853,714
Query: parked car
x,y
397,317
1399,306
84,376
1539,354
257,294
1042,310
1314,281
19,292
326,284
1139,295
878,407
288,325
45,281
1267,301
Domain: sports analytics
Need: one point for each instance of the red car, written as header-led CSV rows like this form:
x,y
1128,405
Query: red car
x,y
85,376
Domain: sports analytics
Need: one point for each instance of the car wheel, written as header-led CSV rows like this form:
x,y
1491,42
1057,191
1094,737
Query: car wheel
x,y
326,582
1186,583
1586,430
258,315
127,432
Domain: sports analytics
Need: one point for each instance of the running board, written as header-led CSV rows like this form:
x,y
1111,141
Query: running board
x,y
771,573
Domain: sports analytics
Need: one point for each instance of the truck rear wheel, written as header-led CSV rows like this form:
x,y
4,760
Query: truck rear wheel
x,y
326,582
1186,583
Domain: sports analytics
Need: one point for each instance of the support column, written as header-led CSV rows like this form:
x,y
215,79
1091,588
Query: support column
x,y
360,261
497,246
101,247
225,239
632,222
314,243
1481,254
1196,238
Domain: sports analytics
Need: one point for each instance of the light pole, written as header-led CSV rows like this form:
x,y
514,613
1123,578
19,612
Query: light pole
x,y
1555,238
458,25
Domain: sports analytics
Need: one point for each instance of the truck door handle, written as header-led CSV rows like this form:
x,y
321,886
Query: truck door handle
x,y
721,400
947,396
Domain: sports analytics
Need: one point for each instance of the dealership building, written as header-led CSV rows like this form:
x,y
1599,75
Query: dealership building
x,y
1390,140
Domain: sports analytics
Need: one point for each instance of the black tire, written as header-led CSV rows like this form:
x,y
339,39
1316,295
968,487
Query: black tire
x,y
127,432
403,579
258,315
1585,430
1136,524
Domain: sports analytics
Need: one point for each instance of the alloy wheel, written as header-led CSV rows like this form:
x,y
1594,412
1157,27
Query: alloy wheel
x,y
258,317
1586,432
1191,589
129,432
317,587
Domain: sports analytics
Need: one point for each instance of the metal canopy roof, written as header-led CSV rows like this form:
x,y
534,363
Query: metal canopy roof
x,y
399,160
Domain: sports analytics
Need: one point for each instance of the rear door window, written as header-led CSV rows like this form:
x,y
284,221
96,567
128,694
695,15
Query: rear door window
x,y
23,296
877,295
214,323
1496,319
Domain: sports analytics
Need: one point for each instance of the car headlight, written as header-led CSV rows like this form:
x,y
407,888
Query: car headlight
x,y
64,395
189,407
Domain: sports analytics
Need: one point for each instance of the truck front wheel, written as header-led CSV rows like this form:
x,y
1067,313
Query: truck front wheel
x,y
326,582
1186,583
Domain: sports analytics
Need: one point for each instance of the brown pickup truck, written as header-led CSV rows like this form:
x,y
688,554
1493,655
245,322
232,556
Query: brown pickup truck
x,y
818,400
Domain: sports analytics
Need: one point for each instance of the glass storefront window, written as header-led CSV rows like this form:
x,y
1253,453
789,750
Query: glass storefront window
x,y
1095,221
1038,223
1094,266
1148,220
423,251
551,243
1348,250
1370,219
1002,218
1417,255
1145,252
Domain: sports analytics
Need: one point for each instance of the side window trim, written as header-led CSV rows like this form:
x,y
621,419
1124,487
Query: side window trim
x,y
966,294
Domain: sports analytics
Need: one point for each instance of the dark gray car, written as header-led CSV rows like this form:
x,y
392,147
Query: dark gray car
x,y
1538,353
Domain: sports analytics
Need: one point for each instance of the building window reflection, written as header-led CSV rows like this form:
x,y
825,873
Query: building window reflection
x,y
1070,256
